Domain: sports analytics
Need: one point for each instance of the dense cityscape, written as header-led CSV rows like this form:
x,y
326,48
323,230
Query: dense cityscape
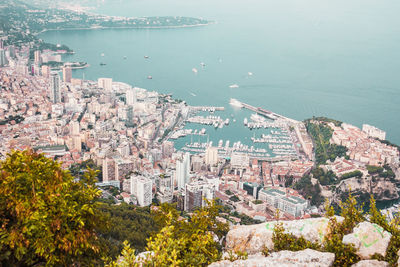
x,y
128,134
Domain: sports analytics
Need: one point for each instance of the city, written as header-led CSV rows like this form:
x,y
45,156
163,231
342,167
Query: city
x,y
150,163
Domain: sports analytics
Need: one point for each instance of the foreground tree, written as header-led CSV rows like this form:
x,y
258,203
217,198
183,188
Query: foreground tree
x,y
47,218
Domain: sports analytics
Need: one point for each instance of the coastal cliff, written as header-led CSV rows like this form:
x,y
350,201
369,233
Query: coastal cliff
x,y
382,189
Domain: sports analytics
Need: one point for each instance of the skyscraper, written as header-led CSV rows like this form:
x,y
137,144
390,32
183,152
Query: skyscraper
x,y
131,96
55,90
129,116
38,58
67,74
183,170
141,188
3,59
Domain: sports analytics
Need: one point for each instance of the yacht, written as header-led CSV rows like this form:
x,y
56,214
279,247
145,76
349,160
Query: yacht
x,y
194,70
234,86
146,57
203,64
149,77
250,73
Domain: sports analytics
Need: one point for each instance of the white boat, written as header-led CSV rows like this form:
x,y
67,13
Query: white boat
x,y
149,77
102,54
202,64
146,57
194,70
193,94
250,73
234,86
245,121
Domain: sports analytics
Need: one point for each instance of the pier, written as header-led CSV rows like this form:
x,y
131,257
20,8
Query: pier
x,y
263,112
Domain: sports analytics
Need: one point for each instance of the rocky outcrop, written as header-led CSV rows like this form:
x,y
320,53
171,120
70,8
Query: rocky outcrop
x,y
253,238
381,188
368,239
371,263
307,257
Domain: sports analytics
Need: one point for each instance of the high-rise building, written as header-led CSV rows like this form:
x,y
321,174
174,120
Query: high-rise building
x,y
45,71
38,57
211,156
141,188
131,96
167,149
196,193
67,74
129,116
105,83
74,128
183,170
12,51
55,87
3,59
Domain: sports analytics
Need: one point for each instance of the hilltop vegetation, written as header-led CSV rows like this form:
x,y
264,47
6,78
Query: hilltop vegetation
x,y
321,133
49,218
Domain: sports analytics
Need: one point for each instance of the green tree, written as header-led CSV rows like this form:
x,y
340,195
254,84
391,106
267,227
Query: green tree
x,y
45,217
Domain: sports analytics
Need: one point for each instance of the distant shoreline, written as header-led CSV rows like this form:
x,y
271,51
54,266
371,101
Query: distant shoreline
x,y
127,27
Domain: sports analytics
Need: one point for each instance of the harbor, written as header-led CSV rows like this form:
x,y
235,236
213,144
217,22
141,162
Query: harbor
x,y
266,137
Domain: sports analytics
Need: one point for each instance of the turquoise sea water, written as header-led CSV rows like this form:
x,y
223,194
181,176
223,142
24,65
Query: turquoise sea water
x,y
339,59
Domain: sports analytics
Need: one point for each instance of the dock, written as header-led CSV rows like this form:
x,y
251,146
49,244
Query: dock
x,y
261,111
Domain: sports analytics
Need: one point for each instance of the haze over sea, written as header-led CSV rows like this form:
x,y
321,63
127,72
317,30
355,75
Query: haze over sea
x,y
339,59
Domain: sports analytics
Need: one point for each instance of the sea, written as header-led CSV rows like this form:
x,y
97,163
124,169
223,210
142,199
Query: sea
x,y
298,58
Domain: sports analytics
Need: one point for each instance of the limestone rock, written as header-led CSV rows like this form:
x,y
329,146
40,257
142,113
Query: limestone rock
x,y
253,238
368,239
371,263
307,257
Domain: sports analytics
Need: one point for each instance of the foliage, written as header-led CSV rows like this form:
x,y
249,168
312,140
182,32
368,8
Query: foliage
x,y
188,243
77,169
325,119
129,223
393,227
348,175
237,255
228,192
344,254
46,217
244,219
384,172
324,178
309,191
321,135
127,259
285,241
234,198
257,201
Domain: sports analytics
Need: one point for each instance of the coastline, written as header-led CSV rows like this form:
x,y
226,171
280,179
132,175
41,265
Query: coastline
x,y
128,27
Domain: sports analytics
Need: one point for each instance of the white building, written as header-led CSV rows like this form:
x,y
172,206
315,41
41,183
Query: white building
x,y
279,199
211,157
131,96
141,188
67,74
240,160
374,132
105,83
182,174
